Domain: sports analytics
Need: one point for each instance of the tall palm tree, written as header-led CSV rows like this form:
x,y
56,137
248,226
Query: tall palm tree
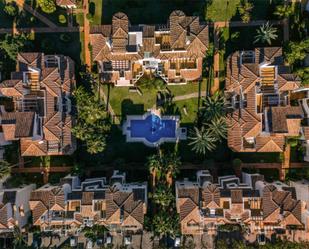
x,y
19,240
163,196
5,169
266,33
154,165
213,107
202,140
218,127
171,166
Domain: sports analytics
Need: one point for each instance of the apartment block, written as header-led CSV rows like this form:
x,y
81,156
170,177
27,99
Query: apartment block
x,y
73,204
264,208
39,117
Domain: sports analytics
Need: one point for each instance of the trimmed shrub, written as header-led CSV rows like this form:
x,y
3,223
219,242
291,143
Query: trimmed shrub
x,y
62,19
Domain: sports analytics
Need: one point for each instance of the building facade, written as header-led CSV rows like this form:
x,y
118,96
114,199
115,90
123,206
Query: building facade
x,y
173,51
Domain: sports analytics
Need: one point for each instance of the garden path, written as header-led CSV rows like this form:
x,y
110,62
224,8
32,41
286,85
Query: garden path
x,y
190,96
43,30
87,34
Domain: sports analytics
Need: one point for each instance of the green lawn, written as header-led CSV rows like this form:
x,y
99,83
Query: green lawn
x,y
226,10
191,106
221,10
150,11
125,103
96,7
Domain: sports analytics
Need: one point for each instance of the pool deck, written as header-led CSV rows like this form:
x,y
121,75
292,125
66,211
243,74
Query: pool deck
x,y
180,132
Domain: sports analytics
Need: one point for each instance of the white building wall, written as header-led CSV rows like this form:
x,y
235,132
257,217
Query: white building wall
x,y
22,199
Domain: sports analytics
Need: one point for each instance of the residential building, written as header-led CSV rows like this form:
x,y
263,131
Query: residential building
x,y
73,205
14,207
261,207
263,111
173,51
40,116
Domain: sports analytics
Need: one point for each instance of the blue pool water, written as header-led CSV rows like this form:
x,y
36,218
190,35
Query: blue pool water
x,y
153,128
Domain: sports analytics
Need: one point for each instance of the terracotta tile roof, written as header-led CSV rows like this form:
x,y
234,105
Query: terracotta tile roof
x,y
42,200
243,78
280,116
22,121
184,37
186,208
51,78
211,195
274,199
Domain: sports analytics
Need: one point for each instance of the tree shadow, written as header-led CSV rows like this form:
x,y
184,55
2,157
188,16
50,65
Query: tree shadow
x,y
129,108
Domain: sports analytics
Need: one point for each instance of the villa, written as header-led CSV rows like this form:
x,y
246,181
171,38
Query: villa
x,y
72,205
39,116
264,208
265,101
173,51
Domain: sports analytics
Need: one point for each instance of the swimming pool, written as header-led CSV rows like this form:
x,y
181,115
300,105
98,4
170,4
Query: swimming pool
x,y
152,129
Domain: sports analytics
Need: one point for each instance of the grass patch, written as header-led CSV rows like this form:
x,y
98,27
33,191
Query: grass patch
x,y
78,19
125,103
191,106
149,11
221,10
97,17
226,10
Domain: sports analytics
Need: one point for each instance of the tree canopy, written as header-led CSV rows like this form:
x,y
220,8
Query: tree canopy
x,y
93,124
47,6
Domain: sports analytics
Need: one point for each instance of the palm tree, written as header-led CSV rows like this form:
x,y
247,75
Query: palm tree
x,y
19,240
5,169
163,196
202,140
165,224
213,107
218,127
171,164
154,165
266,33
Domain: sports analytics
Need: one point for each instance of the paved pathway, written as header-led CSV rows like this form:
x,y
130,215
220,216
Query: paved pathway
x,y
86,35
190,96
29,9
43,30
